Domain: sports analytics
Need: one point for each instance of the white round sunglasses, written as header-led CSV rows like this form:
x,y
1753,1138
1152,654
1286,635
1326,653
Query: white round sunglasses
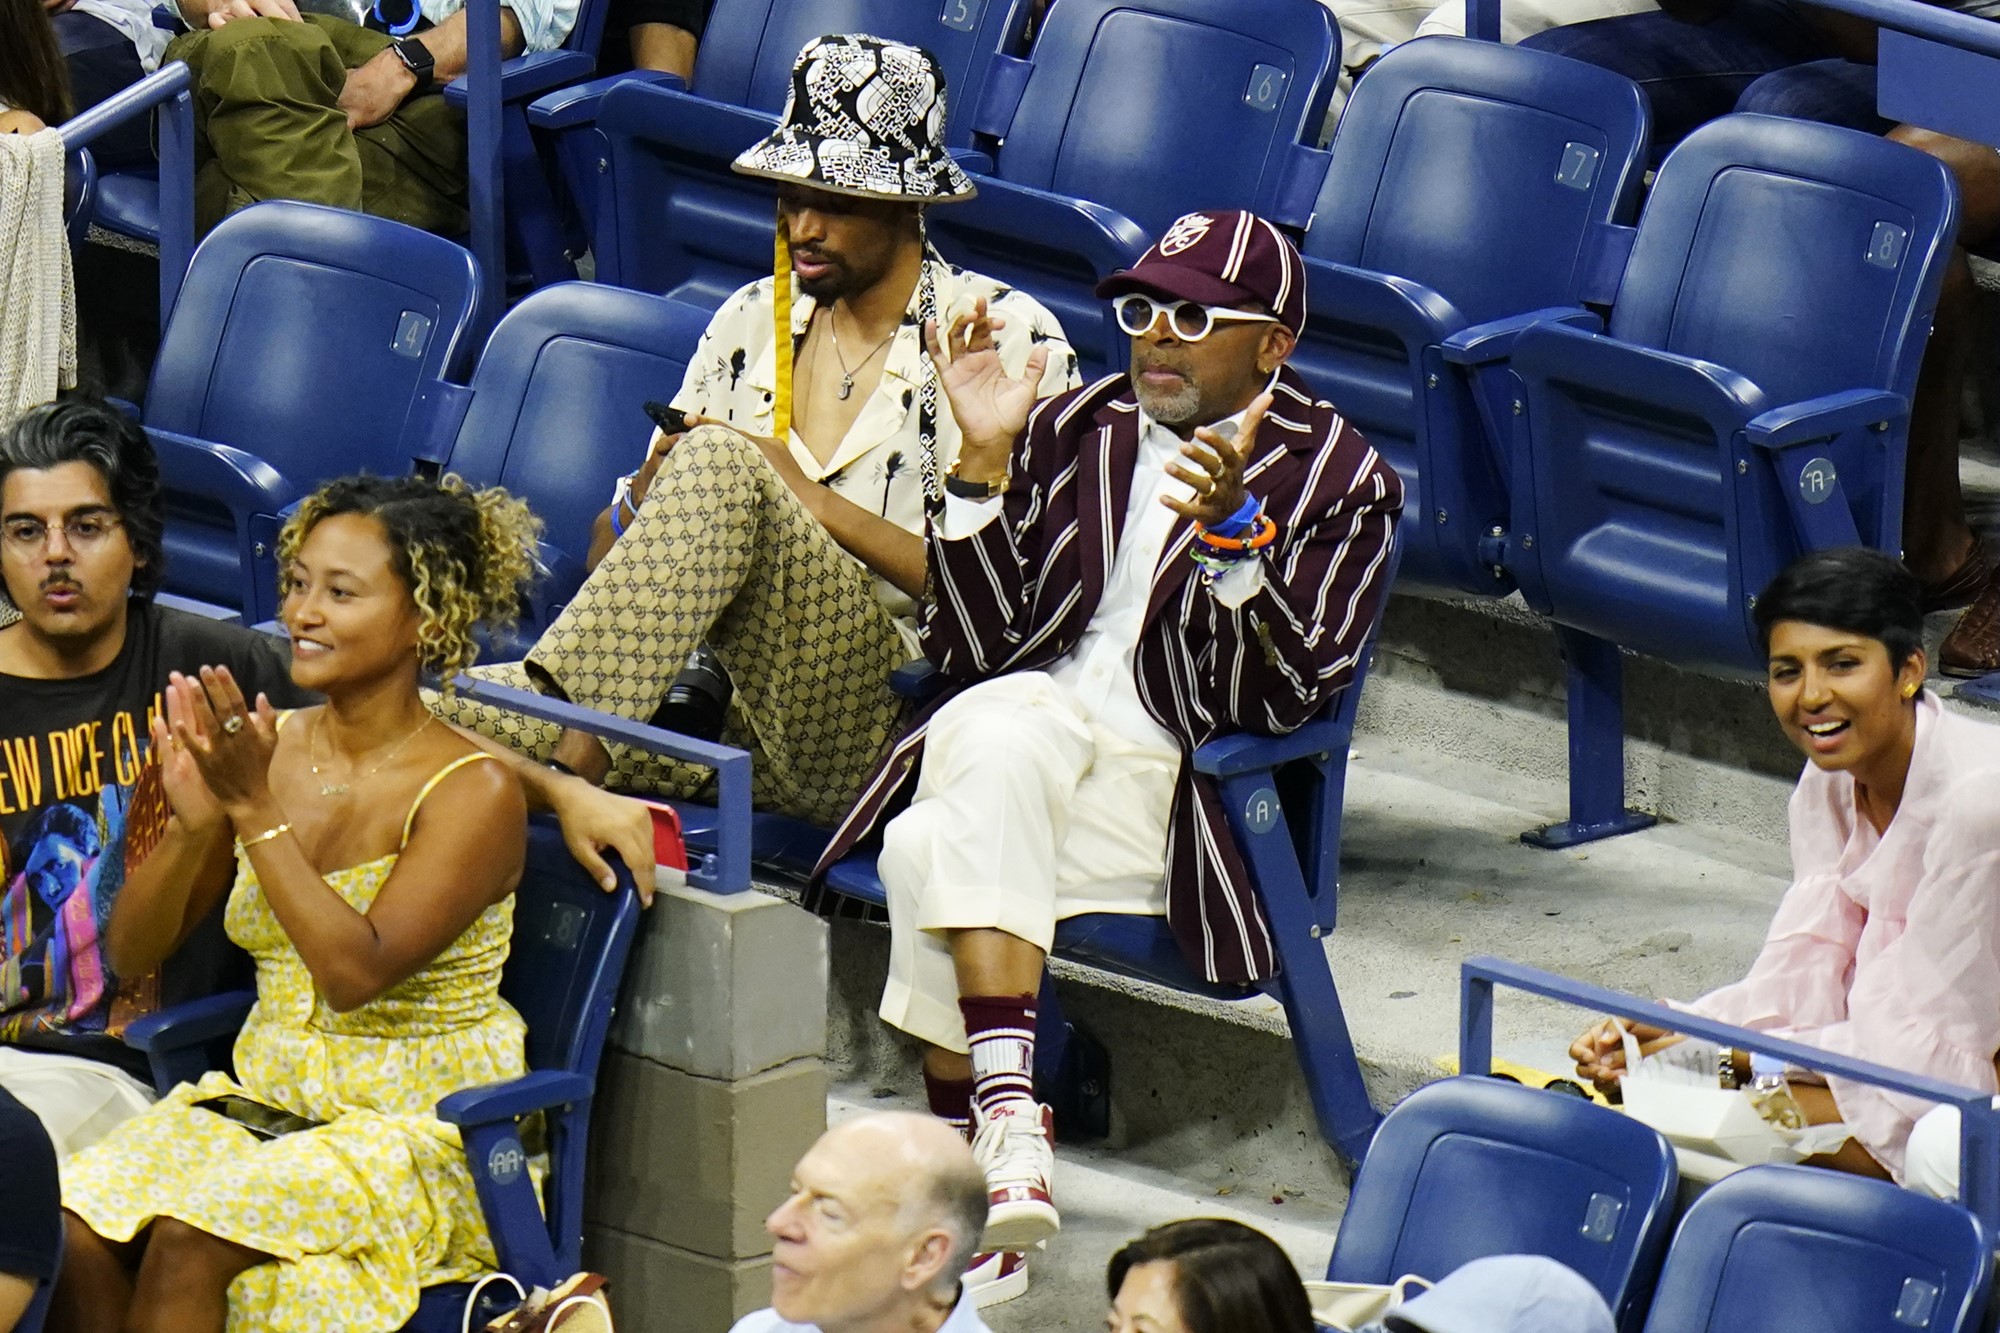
x,y
1190,321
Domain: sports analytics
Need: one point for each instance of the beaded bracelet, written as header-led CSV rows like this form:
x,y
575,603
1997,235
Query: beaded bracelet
x,y
1263,535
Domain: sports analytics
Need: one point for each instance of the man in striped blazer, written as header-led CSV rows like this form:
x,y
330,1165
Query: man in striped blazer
x,y
1118,574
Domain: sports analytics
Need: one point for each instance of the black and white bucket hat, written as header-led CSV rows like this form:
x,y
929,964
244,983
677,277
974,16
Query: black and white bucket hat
x,y
864,117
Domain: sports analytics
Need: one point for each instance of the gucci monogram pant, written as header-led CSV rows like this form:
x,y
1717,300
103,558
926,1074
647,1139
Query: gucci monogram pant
x,y
722,552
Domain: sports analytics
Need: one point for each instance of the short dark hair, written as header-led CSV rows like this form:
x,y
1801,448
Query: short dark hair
x,y
85,430
1228,1278
1849,588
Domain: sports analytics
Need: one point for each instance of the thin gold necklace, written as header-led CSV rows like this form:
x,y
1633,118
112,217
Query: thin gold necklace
x,y
342,788
846,375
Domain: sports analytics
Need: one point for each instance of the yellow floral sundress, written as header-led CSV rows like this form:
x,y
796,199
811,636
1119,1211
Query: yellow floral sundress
x,y
376,1203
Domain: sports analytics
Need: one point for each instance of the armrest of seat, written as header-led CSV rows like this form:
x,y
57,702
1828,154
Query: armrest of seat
x,y
1229,756
577,104
190,1024
241,482
1645,377
1410,310
1025,217
528,76
918,680
972,160
506,1102
1824,417
180,1042
1484,344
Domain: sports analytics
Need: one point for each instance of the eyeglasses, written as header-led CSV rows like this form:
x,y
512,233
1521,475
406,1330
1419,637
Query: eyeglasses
x,y
85,532
1190,321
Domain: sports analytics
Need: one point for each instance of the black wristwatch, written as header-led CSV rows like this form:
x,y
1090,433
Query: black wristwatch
x,y
416,58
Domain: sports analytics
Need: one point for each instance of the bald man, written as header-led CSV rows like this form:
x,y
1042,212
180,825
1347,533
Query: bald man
x,y
885,1212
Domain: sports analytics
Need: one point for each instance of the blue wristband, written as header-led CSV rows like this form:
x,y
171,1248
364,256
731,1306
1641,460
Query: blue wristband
x,y
1239,522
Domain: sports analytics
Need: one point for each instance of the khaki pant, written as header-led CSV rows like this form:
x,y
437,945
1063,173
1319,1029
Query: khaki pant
x,y
268,125
722,552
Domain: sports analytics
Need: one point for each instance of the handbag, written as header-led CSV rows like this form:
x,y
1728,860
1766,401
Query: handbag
x,y
1347,1307
577,1305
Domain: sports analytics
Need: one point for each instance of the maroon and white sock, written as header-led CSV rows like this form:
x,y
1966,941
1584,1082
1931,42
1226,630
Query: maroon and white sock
x,y
950,1100
1001,1030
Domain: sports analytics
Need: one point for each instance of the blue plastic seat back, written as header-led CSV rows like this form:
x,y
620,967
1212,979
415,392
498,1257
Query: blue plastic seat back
x,y
749,46
303,336
1792,253
679,221
1479,170
1156,107
1484,175
571,939
1799,260
559,395
1470,1167
1793,1249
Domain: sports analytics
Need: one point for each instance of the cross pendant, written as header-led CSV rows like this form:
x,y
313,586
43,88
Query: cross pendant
x,y
846,386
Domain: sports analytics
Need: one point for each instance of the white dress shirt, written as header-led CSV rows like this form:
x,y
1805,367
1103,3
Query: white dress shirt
x,y
1098,671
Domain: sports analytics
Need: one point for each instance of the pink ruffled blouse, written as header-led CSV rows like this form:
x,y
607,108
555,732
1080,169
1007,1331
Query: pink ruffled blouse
x,y
1887,948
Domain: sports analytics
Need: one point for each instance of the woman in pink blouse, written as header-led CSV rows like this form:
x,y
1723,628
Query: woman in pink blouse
x,y
1887,945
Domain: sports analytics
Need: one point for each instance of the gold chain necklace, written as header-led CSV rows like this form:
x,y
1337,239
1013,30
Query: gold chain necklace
x,y
342,788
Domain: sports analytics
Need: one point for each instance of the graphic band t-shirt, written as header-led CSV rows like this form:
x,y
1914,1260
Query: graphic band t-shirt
x,y
80,806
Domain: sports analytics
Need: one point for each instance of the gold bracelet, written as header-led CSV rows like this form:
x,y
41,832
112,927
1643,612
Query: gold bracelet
x,y
266,835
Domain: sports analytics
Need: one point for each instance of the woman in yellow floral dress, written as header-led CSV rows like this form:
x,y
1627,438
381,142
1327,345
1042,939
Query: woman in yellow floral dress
x,y
374,862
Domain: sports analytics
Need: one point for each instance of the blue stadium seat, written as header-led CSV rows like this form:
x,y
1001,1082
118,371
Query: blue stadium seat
x,y
1793,1249
570,942
555,412
1748,402
303,341
1470,1167
1127,114
1268,785
1469,182
166,89
673,217
130,202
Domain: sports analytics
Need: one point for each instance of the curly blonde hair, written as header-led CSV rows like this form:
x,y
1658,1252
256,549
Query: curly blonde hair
x,y
466,554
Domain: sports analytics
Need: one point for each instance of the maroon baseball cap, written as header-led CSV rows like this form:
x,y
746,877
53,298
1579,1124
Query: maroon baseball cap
x,y
1220,258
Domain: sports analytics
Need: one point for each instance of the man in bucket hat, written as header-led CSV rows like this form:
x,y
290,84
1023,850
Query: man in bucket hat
x,y
1125,571
783,529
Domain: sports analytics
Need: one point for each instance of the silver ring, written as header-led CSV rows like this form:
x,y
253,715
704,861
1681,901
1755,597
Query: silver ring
x,y
231,725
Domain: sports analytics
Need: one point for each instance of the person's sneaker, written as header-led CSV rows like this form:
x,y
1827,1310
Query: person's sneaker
x,y
998,1276
1015,1146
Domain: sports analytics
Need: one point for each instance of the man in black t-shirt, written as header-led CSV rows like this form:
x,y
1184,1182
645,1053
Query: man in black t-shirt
x,y
31,1222
82,664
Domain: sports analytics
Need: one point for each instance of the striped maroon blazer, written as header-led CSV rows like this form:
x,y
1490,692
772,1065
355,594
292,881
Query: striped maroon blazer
x,y
1017,595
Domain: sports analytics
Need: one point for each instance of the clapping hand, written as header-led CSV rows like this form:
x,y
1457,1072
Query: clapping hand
x,y
1215,469
229,742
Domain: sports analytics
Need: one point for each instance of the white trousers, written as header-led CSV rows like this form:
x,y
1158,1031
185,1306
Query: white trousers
x,y
1930,1162
1026,812
78,1101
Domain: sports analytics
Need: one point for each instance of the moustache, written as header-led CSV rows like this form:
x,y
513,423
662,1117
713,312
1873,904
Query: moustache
x,y
54,581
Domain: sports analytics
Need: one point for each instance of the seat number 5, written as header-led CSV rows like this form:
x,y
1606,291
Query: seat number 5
x,y
961,14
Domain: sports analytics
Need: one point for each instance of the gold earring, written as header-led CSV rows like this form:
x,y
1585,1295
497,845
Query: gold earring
x,y
1909,691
